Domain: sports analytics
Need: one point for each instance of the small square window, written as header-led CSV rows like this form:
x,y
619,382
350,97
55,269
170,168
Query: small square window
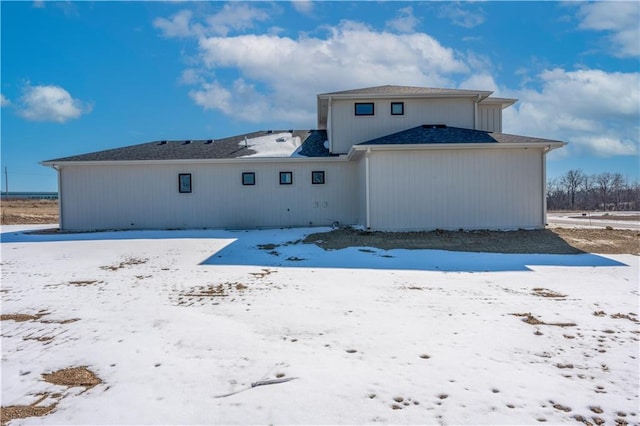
x,y
317,178
286,178
397,108
184,183
248,178
364,108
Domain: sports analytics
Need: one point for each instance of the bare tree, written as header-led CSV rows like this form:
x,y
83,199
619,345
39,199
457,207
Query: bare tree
x,y
572,181
618,185
604,186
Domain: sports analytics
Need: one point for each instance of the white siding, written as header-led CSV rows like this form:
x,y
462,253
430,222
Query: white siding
x,y
348,129
490,118
146,196
470,189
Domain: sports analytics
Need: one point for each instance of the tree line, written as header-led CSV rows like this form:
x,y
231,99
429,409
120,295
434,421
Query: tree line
x,y
576,190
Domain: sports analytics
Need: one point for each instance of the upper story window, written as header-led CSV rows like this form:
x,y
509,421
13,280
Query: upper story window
x,y
317,177
397,108
364,108
184,183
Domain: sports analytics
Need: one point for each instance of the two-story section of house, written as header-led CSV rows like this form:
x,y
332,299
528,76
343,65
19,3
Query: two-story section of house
x,y
384,158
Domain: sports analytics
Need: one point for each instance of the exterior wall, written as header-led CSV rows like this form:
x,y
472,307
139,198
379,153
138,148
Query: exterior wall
x,y
347,129
453,189
490,118
147,197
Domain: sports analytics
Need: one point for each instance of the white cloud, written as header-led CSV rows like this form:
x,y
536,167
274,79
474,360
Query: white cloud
x,y
621,19
235,16
4,101
596,111
179,25
462,17
303,6
404,22
50,103
293,71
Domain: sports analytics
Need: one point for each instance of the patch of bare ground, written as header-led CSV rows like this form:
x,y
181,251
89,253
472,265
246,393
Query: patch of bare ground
x,y
544,292
202,293
551,241
530,319
24,211
37,317
130,261
69,377
73,376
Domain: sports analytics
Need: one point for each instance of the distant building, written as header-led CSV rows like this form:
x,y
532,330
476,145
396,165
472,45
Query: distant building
x,y
385,158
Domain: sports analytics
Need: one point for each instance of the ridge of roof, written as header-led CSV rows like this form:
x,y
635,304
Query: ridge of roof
x,y
392,90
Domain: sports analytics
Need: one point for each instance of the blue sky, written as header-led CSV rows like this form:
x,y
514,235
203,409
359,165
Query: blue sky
x,y
78,77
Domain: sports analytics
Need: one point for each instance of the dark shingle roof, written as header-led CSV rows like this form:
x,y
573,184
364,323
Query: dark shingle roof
x,y
405,90
232,147
440,134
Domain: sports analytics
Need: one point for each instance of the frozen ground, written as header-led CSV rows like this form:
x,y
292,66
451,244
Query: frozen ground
x,y
172,320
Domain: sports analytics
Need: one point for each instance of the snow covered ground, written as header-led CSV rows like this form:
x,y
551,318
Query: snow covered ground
x,y
593,220
173,320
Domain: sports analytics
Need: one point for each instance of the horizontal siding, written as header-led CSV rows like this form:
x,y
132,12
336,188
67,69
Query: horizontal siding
x,y
349,129
147,197
470,189
490,118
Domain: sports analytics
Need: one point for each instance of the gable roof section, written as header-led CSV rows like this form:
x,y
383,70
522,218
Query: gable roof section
x,y
439,134
227,148
401,91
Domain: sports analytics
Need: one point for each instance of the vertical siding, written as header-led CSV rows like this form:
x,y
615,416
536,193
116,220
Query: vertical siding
x,y
490,118
349,129
147,197
475,189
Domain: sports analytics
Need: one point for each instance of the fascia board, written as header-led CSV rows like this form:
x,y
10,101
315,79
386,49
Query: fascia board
x,y
196,161
456,146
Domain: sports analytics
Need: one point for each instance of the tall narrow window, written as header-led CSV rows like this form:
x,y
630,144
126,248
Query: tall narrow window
x,y
286,178
248,178
397,108
184,183
363,108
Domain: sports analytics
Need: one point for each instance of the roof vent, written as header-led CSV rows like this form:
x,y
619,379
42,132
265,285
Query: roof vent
x,y
209,142
162,143
434,126
269,132
187,142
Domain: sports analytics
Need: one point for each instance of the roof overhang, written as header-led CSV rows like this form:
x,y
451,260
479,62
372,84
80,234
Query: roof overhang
x,y
238,160
503,102
357,150
482,94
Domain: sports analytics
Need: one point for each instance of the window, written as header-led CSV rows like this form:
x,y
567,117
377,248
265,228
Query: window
x,y
248,178
286,178
184,183
317,178
364,108
397,108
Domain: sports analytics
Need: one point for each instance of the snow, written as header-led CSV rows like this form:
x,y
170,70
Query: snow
x,y
273,145
354,328
593,220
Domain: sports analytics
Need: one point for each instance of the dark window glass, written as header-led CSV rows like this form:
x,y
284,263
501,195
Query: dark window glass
x,y
364,108
286,178
184,183
317,178
397,108
248,178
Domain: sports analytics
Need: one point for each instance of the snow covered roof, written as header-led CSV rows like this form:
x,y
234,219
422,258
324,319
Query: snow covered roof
x,y
270,143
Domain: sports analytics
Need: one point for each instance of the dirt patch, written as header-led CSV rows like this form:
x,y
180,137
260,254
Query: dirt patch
x,y
13,412
74,376
130,261
551,241
83,283
530,319
22,317
545,292
21,211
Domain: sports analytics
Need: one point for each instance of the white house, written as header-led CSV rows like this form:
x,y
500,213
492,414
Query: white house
x,y
385,158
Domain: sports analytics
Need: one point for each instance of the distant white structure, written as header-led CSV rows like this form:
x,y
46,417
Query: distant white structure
x,y
385,158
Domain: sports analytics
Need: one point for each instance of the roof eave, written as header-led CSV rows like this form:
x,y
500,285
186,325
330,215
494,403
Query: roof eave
x,y
474,94
547,146
58,164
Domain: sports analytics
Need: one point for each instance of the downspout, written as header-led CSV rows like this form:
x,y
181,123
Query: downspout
x,y
59,170
367,190
544,186
475,112
329,126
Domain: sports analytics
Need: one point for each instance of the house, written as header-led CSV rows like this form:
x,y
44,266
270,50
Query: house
x,y
385,158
